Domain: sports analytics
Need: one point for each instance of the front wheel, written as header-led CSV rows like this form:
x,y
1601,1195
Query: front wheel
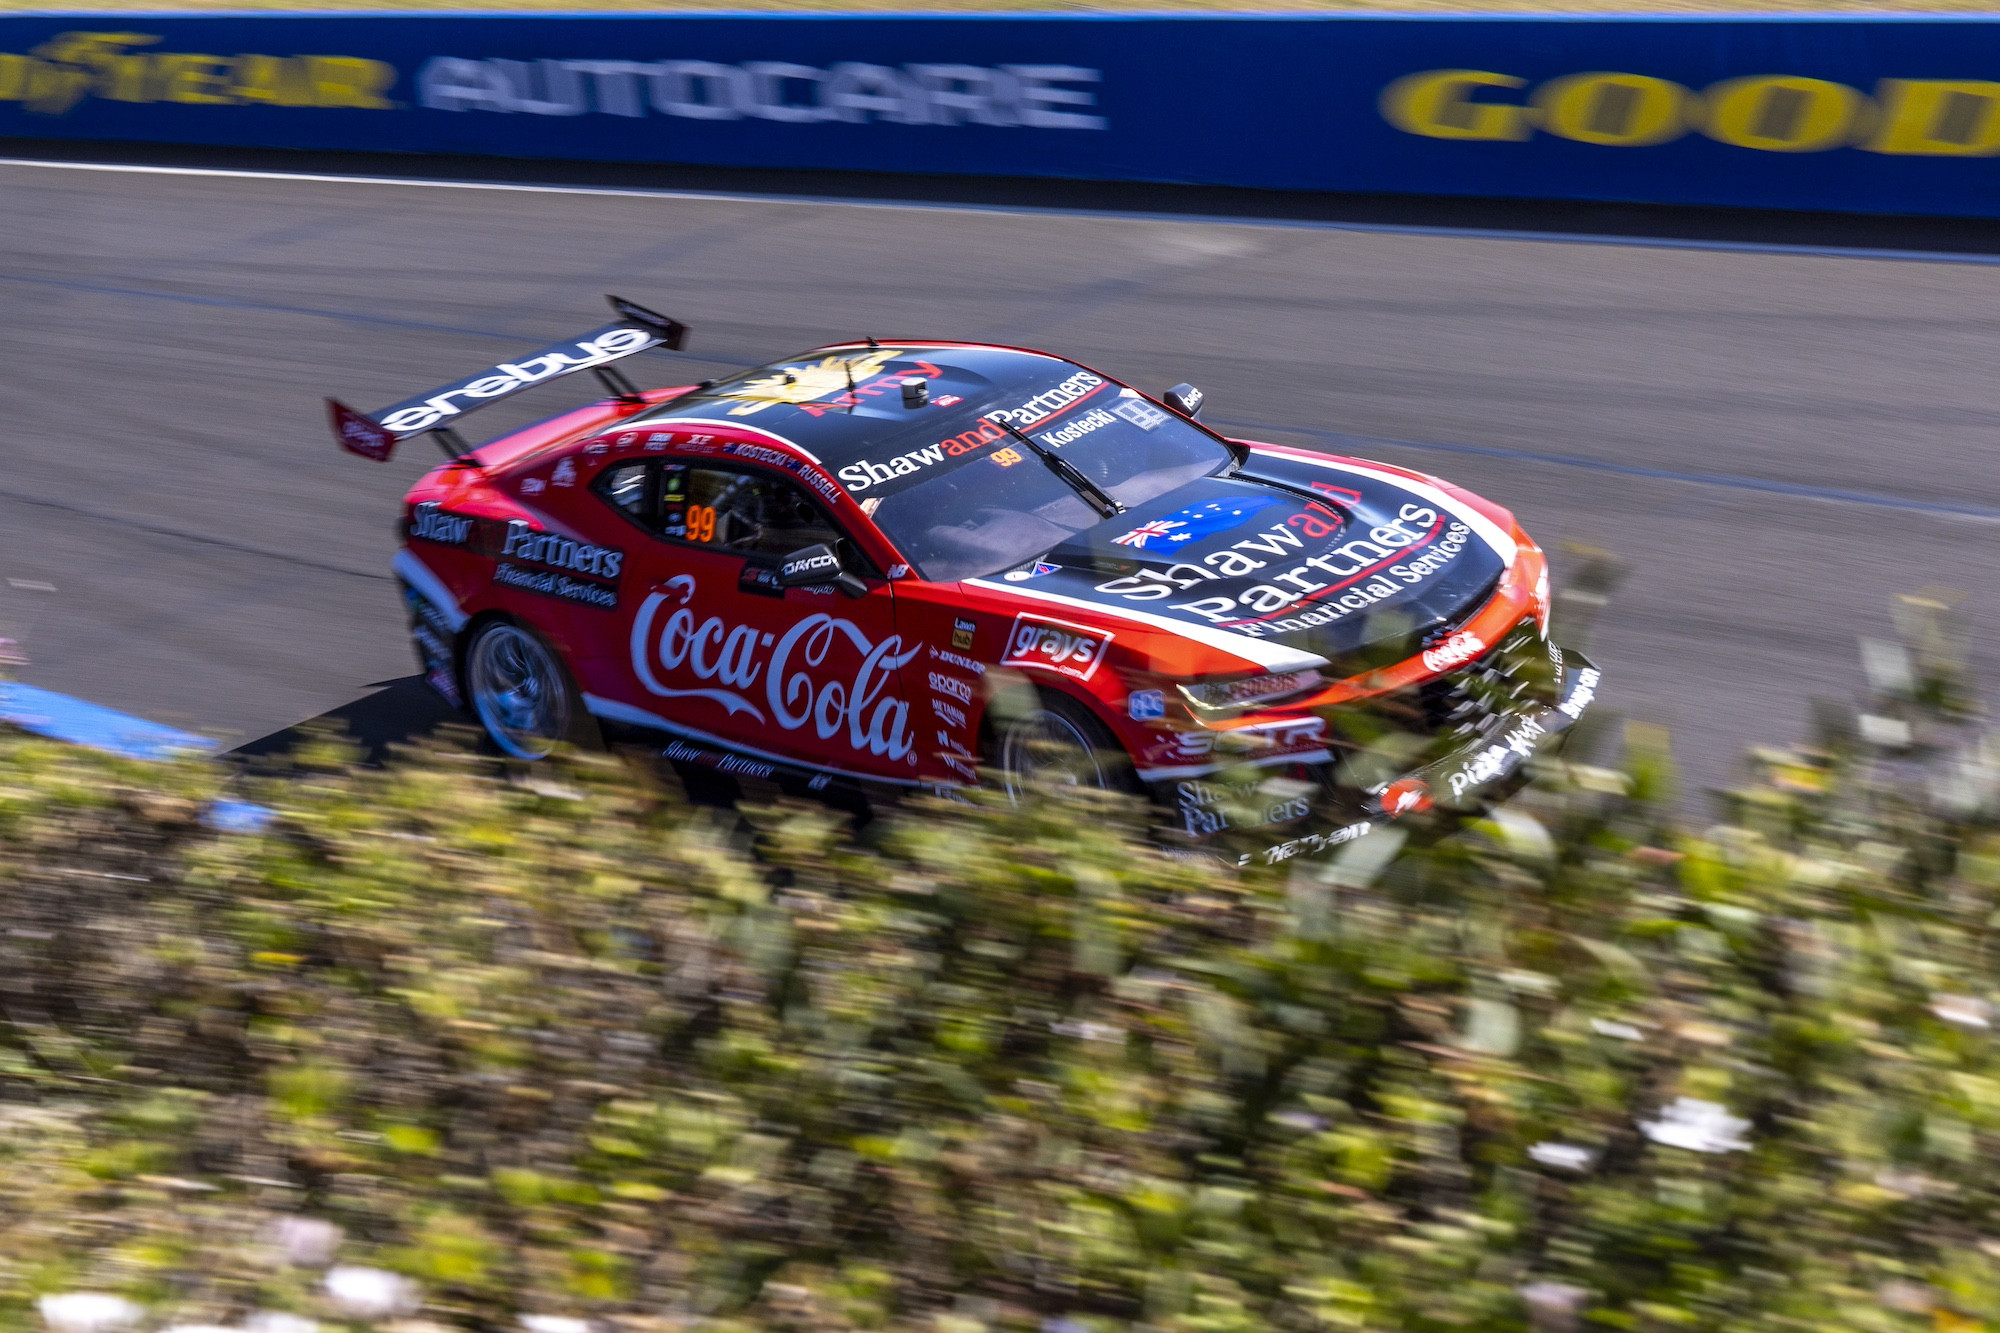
x,y
521,692
1058,743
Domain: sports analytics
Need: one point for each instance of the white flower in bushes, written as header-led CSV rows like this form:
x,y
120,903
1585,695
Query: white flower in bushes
x,y
198,1328
1562,1156
88,1312
555,1323
306,1242
1698,1126
1965,1011
277,1321
370,1293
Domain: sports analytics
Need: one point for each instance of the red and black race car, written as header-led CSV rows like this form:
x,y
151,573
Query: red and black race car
x,y
918,563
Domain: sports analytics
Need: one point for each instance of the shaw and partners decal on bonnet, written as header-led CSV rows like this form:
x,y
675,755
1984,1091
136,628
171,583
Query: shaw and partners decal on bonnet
x,y
1051,401
860,476
1334,582
1055,645
824,672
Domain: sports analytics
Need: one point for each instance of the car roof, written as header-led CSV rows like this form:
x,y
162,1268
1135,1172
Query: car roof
x,y
814,409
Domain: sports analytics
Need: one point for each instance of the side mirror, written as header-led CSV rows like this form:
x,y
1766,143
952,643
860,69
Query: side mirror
x,y
1185,399
817,567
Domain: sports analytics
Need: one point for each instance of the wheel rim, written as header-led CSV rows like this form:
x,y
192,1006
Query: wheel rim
x,y
1044,748
517,690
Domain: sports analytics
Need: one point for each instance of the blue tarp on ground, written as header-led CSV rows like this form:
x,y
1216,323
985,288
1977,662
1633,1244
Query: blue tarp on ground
x,y
1872,114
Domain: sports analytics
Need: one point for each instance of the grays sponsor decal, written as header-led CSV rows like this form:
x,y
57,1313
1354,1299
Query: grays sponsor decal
x,y
528,543
432,522
1041,97
1055,645
553,584
509,377
823,672
1050,401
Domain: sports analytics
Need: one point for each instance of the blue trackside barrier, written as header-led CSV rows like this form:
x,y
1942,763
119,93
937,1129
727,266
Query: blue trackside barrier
x,y
1859,114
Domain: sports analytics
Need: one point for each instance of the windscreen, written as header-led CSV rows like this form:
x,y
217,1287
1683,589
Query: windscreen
x,y
958,495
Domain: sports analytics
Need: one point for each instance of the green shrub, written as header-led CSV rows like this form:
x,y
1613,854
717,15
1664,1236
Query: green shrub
x,y
580,1049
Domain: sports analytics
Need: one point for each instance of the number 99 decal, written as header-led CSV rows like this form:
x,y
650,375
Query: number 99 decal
x,y
701,523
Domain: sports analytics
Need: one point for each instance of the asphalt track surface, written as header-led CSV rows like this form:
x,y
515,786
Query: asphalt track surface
x,y
1777,443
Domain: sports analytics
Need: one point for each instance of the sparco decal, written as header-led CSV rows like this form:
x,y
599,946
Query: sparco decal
x,y
960,690
432,522
788,683
506,378
547,549
1055,645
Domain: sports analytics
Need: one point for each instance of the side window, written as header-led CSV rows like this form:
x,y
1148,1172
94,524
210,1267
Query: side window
x,y
740,511
628,486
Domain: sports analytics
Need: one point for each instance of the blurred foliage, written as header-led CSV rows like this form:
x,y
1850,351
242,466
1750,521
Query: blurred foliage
x,y
573,1047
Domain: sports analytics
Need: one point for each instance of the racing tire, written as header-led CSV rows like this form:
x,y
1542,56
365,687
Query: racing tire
x,y
522,693
1057,742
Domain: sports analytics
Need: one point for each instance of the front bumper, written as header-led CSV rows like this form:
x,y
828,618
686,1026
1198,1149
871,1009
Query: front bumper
x,y
1316,810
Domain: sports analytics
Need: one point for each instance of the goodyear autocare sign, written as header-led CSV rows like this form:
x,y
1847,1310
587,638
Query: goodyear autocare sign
x,y
1875,114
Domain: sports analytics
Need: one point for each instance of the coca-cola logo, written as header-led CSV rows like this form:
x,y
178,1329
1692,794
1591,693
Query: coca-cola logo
x,y
1055,645
824,672
1455,651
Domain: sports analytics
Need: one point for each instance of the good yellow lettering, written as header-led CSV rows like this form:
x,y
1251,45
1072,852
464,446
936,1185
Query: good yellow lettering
x,y
351,81
193,78
274,80
1937,118
14,72
124,78
1781,113
1616,110
1438,104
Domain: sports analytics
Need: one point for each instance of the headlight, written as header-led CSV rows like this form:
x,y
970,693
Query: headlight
x,y
1247,692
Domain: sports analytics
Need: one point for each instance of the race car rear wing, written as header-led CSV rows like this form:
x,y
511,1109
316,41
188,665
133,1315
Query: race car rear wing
x,y
436,412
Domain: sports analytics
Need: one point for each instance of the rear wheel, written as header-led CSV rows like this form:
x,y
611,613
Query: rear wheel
x,y
521,692
1056,742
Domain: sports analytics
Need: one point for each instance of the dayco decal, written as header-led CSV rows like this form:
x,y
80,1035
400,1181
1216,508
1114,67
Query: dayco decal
x,y
432,522
1050,401
1030,96
505,379
794,672
1055,645
65,70
1776,113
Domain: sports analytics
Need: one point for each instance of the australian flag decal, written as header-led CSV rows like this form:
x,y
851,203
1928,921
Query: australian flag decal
x,y
1194,522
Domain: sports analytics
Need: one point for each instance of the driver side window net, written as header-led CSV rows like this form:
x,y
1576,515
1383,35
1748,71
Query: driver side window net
x,y
739,511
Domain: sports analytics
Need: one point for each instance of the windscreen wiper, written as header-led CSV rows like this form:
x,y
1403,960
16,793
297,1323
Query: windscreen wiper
x,y
1062,467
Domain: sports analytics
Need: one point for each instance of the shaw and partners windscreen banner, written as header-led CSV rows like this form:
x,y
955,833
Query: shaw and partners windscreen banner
x,y
1868,114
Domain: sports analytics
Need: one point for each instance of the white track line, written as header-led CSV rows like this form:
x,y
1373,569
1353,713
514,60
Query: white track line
x,y
1015,210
